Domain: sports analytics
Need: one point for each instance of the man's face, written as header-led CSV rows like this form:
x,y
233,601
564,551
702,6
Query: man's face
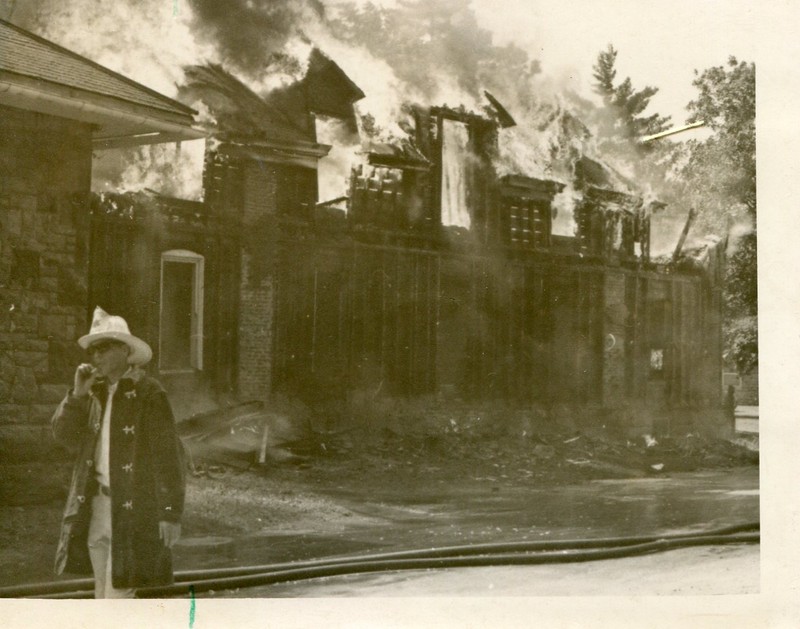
x,y
109,357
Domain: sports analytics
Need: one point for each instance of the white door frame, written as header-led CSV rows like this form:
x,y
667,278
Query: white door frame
x,y
196,344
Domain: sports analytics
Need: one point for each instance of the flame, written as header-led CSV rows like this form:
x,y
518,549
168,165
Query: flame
x,y
174,169
333,170
563,206
455,153
296,49
268,45
385,94
146,40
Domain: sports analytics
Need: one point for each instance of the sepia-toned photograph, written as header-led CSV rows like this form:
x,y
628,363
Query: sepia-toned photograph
x,y
378,299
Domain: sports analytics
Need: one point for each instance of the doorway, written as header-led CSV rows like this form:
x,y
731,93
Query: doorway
x,y
181,312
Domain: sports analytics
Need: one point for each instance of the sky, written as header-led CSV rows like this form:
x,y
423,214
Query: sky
x,y
660,43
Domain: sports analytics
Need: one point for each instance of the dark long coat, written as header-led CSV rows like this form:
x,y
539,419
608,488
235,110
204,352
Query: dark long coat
x,y
146,467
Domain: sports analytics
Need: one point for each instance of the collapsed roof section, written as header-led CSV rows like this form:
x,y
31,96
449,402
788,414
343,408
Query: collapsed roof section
x,y
284,114
439,166
329,91
237,111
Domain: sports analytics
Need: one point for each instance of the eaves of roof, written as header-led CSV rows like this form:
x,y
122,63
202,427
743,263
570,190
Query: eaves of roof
x,y
27,54
39,76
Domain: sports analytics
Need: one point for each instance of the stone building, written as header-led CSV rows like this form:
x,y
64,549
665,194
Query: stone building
x,y
56,107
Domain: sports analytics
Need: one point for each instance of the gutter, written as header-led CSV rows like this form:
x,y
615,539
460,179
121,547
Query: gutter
x,y
82,110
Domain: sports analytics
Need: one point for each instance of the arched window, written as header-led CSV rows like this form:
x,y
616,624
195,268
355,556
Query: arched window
x,y
181,311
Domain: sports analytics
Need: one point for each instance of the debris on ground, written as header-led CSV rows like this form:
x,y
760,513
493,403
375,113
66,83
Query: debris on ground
x,y
249,436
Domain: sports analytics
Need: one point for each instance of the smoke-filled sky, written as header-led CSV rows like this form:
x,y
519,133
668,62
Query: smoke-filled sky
x,y
435,52
660,42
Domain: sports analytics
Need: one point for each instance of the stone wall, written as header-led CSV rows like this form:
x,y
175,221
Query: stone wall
x,y
745,386
747,395
45,177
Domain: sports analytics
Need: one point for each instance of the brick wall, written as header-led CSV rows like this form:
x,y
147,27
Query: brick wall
x,y
256,298
45,175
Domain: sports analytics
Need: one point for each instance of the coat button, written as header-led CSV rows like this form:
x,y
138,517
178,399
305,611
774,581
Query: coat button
x,y
89,462
81,499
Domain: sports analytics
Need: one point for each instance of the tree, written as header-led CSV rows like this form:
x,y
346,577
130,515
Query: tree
x,y
621,114
720,181
620,123
725,164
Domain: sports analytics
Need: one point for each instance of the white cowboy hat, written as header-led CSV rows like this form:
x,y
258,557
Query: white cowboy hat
x,y
106,326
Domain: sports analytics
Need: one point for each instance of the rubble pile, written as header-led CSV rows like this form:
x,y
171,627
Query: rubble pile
x,y
249,437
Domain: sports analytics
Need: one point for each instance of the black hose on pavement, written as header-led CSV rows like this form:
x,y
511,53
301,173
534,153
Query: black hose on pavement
x,y
501,553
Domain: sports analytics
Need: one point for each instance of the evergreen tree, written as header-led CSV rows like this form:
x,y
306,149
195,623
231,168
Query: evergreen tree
x,y
621,114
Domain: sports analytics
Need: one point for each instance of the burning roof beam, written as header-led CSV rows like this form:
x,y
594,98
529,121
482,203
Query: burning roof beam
x,y
332,201
397,161
504,119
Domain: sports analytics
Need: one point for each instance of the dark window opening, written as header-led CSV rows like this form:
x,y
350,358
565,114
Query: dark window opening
x,y
297,192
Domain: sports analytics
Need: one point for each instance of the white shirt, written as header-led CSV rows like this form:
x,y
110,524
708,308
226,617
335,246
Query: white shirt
x,y
101,464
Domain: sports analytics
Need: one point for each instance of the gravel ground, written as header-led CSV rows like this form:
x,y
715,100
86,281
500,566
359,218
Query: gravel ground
x,y
299,493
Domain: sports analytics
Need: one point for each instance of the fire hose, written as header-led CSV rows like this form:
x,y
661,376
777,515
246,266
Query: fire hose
x,y
475,555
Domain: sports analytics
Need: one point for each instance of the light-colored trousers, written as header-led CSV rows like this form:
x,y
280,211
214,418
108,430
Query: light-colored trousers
x,y
100,550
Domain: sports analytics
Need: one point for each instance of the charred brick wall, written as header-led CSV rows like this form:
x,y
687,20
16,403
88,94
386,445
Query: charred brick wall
x,y
45,177
256,299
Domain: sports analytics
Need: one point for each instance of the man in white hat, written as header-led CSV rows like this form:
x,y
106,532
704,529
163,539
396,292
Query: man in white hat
x,y
126,497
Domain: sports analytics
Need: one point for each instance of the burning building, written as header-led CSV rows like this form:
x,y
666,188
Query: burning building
x,y
443,274
448,270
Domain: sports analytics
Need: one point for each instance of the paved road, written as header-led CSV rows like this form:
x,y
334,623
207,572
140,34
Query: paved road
x,y
435,517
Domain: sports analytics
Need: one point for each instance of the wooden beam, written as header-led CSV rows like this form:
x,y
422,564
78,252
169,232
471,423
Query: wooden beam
x,y
689,220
